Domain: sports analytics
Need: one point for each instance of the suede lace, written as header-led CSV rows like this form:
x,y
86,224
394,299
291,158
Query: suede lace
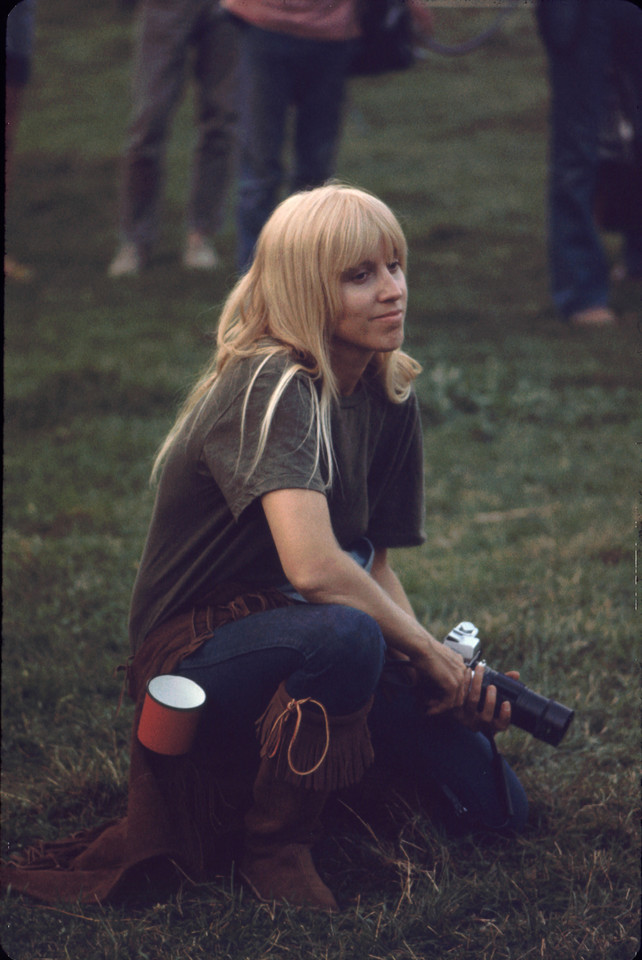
x,y
277,732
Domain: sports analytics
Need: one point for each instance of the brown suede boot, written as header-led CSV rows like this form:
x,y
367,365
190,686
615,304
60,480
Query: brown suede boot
x,y
304,755
280,829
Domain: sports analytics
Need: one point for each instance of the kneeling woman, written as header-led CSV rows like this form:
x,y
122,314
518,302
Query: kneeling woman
x,y
294,466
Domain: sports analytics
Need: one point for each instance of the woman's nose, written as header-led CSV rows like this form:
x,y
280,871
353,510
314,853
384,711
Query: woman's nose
x,y
392,286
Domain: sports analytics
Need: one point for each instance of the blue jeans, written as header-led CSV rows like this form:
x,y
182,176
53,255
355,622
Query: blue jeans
x,y
19,43
581,37
335,654
278,71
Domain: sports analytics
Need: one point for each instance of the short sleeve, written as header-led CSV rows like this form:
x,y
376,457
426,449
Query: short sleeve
x,y
289,458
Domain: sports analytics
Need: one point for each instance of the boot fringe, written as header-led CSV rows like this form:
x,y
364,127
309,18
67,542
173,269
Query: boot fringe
x,y
310,749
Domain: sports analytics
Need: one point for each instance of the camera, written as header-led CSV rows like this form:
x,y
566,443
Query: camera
x,y
543,718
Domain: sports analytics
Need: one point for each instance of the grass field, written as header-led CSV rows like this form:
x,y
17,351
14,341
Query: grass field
x,y
532,476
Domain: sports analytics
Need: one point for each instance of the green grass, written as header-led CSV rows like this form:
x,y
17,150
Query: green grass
x,y
532,470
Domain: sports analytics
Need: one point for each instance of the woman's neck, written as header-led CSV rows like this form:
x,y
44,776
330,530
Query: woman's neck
x,y
349,367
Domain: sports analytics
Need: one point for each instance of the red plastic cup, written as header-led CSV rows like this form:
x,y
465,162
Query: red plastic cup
x,y
170,714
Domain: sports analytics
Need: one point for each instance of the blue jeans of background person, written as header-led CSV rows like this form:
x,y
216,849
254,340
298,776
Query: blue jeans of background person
x,y
580,38
335,654
278,71
168,32
19,42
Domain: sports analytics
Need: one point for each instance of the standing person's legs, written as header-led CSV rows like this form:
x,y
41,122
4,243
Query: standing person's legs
x,y
265,66
19,37
627,56
215,38
158,76
319,98
579,271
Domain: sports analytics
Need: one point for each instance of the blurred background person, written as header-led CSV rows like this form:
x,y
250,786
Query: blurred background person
x,y
295,54
168,30
18,55
584,40
290,54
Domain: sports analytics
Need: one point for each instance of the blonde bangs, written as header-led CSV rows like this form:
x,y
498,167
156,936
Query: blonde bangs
x,y
356,225
360,230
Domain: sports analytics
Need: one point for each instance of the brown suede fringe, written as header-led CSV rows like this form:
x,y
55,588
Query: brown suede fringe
x,y
311,750
181,811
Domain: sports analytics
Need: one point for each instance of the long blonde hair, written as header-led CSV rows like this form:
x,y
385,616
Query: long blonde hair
x,y
289,299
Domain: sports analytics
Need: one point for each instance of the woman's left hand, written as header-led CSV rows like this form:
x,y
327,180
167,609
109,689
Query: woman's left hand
x,y
477,719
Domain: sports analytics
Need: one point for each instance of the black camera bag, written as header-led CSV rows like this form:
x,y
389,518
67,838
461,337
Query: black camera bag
x,y
386,42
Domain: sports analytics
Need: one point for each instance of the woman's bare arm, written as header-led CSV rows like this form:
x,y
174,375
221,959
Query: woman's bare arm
x,y
322,572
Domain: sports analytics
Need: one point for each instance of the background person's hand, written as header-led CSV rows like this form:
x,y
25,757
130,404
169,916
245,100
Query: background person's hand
x,y
423,20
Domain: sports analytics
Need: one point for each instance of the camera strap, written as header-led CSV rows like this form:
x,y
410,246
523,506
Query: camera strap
x,y
461,812
499,769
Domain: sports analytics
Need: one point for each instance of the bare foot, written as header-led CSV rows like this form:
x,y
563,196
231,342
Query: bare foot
x,y
17,271
593,317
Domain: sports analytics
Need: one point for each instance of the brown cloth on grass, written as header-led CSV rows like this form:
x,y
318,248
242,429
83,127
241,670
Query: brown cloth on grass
x,y
182,812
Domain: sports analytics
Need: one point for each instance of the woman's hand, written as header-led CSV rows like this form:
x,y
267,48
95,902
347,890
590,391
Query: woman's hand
x,y
485,718
444,671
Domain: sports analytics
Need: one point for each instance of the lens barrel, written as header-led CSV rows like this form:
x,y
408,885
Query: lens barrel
x,y
545,719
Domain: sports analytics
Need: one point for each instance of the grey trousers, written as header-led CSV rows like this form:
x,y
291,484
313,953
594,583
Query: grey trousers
x,y
171,32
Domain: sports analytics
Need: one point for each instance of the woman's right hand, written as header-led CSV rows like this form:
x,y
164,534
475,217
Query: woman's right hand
x,y
445,673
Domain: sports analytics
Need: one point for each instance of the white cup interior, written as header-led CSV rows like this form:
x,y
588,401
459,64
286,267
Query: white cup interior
x,y
177,692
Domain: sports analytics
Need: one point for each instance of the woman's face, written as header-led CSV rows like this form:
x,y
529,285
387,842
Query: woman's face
x,y
374,297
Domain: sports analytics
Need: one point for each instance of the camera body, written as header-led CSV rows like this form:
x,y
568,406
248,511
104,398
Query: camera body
x,y
545,719
464,640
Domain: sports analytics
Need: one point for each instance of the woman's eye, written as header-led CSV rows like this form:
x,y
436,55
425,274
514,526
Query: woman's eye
x,y
361,276
393,266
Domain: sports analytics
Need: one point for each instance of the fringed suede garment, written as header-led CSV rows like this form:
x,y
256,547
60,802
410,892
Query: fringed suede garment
x,y
312,750
182,812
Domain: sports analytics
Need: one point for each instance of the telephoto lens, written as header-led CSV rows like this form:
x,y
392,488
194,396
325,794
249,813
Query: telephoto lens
x,y
545,719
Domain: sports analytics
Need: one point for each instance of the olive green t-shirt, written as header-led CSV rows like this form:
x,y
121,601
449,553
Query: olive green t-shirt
x,y
208,525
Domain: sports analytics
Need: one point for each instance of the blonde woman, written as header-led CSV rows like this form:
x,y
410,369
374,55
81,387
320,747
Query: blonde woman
x,y
294,466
